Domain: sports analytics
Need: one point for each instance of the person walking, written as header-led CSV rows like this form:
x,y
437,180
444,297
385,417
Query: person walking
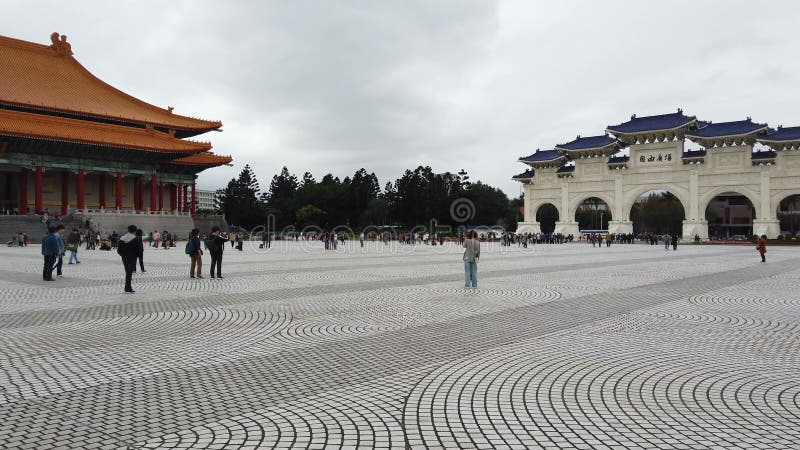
x,y
139,249
50,253
128,250
216,246
62,249
73,242
472,253
195,253
361,239
674,239
761,246
667,239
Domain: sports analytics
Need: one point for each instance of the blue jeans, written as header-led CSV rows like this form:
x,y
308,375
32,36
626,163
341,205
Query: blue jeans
x,y
73,257
470,274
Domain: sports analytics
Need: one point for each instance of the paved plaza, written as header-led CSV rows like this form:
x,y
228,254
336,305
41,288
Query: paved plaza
x,y
560,346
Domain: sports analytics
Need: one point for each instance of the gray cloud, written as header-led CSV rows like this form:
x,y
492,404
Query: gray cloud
x,y
334,86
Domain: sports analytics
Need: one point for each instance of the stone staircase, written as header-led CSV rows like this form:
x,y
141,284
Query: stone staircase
x,y
108,222
33,226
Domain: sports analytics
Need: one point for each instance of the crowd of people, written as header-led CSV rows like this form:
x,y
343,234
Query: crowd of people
x,y
525,239
131,245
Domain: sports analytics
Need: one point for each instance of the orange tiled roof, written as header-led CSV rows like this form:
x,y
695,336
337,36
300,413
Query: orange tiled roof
x,y
15,123
204,159
48,77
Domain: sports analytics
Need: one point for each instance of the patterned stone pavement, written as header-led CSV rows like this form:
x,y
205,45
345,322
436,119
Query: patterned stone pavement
x,y
560,347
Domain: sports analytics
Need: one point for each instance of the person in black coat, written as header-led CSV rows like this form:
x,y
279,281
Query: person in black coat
x,y
216,246
50,253
128,250
140,249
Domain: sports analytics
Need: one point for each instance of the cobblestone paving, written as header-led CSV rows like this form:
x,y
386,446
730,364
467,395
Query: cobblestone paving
x,y
561,346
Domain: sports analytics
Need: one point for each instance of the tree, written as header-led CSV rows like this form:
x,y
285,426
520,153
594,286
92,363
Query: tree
x,y
239,200
281,195
310,215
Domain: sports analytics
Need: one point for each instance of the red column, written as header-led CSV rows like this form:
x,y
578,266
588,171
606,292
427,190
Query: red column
x,y
64,192
119,191
160,196
81,190
23,192
180,198
194,198
37,196
185,198
137,194
153,187
140,193
172,198
101,190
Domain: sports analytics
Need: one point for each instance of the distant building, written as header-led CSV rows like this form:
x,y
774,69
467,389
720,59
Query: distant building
x,y
69,142
206,200
725,187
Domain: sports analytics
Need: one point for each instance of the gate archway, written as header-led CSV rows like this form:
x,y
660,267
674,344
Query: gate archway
x,y
547,216
593,213
657,212
730,215
789,216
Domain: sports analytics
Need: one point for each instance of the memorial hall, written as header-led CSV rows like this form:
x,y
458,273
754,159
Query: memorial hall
x,y
72,144
737,181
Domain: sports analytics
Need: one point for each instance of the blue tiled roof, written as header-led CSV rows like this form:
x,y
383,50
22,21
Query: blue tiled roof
x,y
582,143
618,160
652,123
565,169
727,129
524,175
694,153
542,155
770,154
784,134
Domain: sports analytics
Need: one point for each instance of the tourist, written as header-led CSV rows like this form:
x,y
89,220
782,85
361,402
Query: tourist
x,y
761,246
73,241
216,246
472,253
128,250
667,239
62,249
155,239
608,240
195,253
674,239
50,253
361,239
139,249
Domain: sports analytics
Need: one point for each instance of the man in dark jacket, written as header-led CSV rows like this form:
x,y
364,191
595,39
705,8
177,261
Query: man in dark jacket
x,y
216,245
128,250
139,249
50,253
62,248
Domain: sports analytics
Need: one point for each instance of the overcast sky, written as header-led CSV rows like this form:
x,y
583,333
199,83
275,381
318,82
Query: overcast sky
x,y
333,86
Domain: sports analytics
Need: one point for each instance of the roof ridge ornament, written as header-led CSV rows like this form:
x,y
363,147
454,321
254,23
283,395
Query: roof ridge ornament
x,y
680,110
60,45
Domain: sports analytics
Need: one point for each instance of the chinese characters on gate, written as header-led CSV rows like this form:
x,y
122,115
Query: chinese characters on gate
x,y
655,157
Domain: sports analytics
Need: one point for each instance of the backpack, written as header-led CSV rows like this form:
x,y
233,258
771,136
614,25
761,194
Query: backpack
x,y
211,243
190,246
